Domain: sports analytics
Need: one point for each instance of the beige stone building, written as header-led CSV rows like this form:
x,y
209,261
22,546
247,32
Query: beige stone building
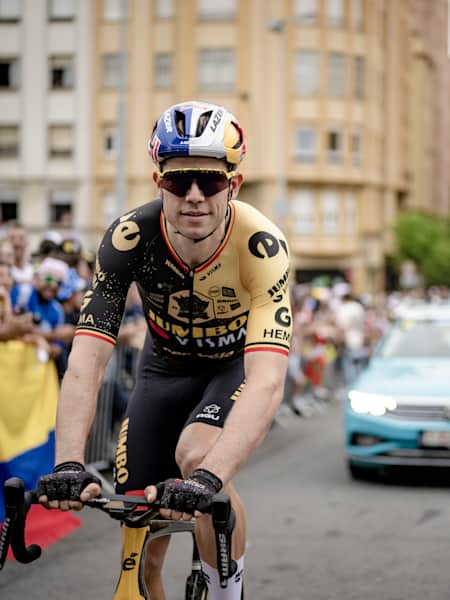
x,y
344,102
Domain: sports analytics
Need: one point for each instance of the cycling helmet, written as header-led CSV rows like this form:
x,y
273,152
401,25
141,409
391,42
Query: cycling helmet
x,y
197,129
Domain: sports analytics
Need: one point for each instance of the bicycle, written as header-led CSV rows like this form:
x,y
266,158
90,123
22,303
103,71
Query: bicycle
x,y
134,512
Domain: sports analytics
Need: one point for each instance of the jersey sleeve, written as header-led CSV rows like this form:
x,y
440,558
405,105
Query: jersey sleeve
x,y
104,302
265,274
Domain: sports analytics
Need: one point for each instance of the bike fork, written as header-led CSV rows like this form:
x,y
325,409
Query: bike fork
x,y
195,583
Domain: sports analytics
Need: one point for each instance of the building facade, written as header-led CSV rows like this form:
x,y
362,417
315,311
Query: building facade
x,y
45,114
344,102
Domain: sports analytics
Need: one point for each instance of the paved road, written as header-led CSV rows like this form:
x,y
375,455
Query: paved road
x,y
313,533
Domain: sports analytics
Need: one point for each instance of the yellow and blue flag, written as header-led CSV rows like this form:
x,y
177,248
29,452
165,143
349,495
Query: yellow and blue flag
x,y
28,399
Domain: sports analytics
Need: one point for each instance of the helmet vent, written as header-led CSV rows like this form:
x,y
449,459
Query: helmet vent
x,y
180,123
203,121
238,144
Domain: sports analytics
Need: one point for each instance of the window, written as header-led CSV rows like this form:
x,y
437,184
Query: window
x,y
335,13
60,141
164,9
9,73
61,10
330,211
9,204
306,72
216,69
306,144
356,8
302,208
350,213
306,11
355,147
110,141
217,9
336,75
111,70
358,81
9,141
10,10
61,72
113,10
334,146
61,207
163,70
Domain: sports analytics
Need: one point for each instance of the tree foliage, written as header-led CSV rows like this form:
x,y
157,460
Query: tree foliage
x,y
425,239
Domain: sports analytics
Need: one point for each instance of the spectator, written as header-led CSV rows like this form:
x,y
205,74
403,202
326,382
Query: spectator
x,y
49,246
11,326
39,299
6,252
22,270
350,317
70,296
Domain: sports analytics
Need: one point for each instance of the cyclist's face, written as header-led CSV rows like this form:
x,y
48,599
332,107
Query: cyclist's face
x,y
201,209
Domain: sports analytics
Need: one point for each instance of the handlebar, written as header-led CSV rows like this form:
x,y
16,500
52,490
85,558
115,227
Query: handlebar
x,y
133,511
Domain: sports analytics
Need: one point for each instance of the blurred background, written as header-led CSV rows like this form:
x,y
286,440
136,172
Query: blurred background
x,y
345,104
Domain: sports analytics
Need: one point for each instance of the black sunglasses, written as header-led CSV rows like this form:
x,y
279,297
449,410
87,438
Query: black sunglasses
x,y
209,181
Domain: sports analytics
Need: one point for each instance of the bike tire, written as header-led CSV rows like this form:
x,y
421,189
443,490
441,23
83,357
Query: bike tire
x,y
196,588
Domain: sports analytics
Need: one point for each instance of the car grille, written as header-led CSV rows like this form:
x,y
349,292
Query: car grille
x,y
420,453
421,412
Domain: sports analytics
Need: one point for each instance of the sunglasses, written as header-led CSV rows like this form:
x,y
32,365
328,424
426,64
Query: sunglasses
x,y
209,181
51,279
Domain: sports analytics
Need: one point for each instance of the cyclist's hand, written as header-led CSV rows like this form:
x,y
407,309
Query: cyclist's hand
x,y
184,498
67,487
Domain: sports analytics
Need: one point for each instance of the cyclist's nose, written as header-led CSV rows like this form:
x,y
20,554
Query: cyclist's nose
x,y
194,193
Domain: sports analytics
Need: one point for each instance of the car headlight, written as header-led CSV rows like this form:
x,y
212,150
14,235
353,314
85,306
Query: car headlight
x,y
373,404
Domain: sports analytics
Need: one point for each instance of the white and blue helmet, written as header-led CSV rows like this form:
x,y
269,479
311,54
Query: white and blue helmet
x,y
197,129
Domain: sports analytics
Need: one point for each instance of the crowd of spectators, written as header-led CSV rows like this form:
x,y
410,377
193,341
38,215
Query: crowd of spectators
x,y
42,292
334,335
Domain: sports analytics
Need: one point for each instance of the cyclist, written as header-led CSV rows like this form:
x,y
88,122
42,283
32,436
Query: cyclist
x,y
212,273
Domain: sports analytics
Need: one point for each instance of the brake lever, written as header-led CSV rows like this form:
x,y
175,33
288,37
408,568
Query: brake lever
x,y
224,521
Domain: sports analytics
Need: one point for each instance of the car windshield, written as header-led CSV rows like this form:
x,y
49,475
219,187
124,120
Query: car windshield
x,y
417,339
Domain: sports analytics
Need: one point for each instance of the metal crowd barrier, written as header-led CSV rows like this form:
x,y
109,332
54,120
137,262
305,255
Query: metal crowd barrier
x,y
115,390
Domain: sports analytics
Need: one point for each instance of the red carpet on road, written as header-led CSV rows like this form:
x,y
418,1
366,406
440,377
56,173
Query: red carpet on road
x,y
45,527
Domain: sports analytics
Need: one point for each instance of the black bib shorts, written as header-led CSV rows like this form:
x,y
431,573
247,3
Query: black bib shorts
x,y
163,403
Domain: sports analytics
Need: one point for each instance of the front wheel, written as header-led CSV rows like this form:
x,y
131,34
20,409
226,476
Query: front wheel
x,y
196,586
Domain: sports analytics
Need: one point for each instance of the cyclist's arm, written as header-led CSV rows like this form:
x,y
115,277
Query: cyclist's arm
x,y
251,416
78,396
264,268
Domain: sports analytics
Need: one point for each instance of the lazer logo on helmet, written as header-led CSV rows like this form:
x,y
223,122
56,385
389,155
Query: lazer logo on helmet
x,y
168,121
216,120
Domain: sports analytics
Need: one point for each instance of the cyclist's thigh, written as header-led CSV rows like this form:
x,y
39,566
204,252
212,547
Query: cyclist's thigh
x,y
154,419
225,384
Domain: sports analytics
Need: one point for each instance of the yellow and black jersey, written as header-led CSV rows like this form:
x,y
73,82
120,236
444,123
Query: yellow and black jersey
x,y
235,301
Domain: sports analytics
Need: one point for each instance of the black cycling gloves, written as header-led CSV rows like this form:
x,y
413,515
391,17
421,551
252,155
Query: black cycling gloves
x,y
189,495
66,482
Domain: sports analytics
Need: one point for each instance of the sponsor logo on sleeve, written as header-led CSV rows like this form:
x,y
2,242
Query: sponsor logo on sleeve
x,y
278,290
263,244
127,234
